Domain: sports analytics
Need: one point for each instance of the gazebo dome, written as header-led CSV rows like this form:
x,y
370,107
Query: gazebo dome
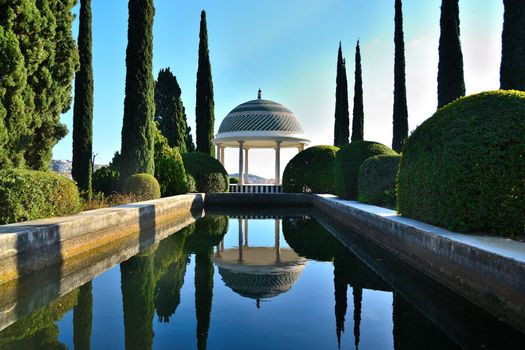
x,y
260,123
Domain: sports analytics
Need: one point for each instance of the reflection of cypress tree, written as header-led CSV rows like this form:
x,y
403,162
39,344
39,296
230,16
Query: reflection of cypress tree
x,y
82,318
340,288
203,295
412,330
168,290
138,291
358,297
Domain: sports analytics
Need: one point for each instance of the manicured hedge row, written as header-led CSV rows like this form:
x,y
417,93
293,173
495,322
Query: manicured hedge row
x,y
207,172
464,168
30,195
348,161
311,171
376,182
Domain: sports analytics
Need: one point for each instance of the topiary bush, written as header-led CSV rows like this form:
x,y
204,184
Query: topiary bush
x,y
30,195
376,182
234,180
208,172
105,180
145,186
311,171
169,169
464,168
348,161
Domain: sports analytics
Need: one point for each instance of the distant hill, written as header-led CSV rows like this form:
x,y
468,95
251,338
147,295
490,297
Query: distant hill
x,y
255,179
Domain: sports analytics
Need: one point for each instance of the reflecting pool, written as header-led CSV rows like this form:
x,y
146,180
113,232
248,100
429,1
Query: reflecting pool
x,y
258,282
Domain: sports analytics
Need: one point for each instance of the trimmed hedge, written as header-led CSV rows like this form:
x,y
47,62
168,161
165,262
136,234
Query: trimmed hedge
x,y
348,161
31,195
105,180
208,172
143,185
376,182
234,180
169,169
464,168
311,171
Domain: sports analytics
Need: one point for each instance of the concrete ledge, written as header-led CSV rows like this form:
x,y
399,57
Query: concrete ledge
x,y
488,271
30,246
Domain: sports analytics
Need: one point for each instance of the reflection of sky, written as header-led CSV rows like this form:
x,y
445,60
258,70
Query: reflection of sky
x,y
301,318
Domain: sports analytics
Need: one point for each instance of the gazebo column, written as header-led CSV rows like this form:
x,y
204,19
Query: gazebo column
x,y
218,152
240,240
222,154
277,242
278,163
246,165
241,162
300,148
246,232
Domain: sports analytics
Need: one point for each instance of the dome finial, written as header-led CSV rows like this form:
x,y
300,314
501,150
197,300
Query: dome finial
x,y
259,94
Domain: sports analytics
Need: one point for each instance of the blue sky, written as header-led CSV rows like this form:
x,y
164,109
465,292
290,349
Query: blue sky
x,y
288,48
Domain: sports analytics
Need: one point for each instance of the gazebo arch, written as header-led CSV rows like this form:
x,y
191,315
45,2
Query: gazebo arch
x,y
260,124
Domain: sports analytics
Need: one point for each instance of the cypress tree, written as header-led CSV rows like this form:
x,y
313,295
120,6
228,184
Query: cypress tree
x,y
358,113
451,83
204,110
400,118
170,113
139,105
341,128
38,60
83,105
512,71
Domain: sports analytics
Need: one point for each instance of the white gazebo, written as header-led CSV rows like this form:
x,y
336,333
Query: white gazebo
x,y
259,124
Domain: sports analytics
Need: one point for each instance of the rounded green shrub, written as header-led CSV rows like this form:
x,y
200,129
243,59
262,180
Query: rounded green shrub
x,y
169,171
234,180
105,180
464,168
311,171
208,172
142,185
30,195
348,161
376,182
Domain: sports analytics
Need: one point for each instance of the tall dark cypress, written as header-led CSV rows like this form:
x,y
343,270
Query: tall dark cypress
x,y
400,117
203,295
204,110
512,71
139,105
83,107
451,82
358,299
83,318
341,128
170,113
358,113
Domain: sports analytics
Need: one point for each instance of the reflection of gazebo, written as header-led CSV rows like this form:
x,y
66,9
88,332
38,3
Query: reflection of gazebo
x,y
259,124
258,272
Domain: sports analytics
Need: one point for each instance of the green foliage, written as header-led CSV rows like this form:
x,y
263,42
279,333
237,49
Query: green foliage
x,y
170,114
342,122
451,83
139,105
463,167
376,182
512,70
106,180
83,105
348,161
143,185
30,195
192,185
38,58
358,112
400,118
169,169
311,171
234,180
208,172
209,232
83,318
309,239
205,105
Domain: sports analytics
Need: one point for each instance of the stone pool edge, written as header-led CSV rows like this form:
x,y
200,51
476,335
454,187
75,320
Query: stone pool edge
x,y
29,246
472,266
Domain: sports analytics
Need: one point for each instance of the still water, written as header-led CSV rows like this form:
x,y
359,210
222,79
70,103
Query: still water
x,y
242,282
